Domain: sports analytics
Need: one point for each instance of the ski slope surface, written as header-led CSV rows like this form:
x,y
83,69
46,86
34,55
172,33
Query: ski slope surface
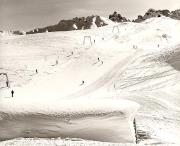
x,y
127,70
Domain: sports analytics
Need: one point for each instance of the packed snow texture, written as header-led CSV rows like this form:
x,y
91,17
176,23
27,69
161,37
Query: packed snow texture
x,y
139,65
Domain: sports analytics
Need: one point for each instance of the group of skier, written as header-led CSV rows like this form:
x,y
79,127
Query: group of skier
x,y
36,71
12,91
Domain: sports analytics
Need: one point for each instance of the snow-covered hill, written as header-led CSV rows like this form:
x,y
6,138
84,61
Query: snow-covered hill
x,y
125,63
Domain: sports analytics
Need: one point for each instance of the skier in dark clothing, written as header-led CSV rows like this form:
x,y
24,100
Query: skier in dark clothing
x,y
98,59
12,93
36,71
82,82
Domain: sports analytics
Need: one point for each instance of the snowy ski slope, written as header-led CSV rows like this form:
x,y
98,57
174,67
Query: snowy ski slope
x,y
137,67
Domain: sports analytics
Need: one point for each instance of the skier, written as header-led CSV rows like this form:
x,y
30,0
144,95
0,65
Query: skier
x,y
36,71
12,93
98,59
82,83
94,41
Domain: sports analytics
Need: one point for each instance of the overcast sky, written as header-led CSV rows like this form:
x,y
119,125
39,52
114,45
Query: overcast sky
x,y
28,14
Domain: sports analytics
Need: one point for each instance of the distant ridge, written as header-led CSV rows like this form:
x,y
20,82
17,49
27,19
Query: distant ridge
x,y
80,23
158,13
87,23
73,24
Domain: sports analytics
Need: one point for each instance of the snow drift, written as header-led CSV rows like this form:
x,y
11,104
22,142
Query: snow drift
x,y
100,120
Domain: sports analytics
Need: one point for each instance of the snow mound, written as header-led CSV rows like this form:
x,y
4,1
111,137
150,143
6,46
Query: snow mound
x,y
107,21
88,119
71,107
